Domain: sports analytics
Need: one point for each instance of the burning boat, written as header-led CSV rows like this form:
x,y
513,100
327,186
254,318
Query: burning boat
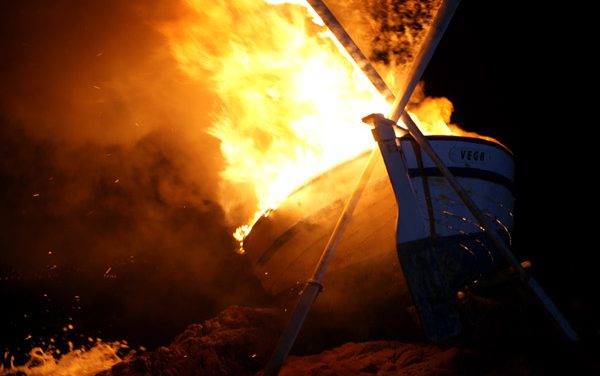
x,y
289,99
285,245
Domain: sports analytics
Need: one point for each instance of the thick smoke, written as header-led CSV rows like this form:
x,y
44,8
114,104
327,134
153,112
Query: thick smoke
x,y
109,182
108,179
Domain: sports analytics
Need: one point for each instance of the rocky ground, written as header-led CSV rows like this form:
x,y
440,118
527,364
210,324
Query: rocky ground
x,y
239,341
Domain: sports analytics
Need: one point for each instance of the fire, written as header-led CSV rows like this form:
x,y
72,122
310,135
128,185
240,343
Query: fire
x,y
290,100
432,115
83,362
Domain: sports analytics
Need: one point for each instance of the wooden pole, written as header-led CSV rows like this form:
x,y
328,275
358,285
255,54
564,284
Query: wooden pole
x,y
313,287
436,31
350,46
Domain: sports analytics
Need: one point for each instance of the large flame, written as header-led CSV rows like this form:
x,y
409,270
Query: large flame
x,y
290,99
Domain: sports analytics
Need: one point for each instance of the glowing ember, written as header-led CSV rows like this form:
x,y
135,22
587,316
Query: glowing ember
x,y
99,357
290,99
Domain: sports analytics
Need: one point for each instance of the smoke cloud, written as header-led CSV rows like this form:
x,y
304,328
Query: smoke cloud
x,y
110,184
108,178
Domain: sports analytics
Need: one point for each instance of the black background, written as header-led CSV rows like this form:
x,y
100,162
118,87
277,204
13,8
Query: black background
x,y
515,71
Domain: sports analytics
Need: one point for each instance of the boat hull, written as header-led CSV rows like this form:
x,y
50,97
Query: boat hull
x,y
365,271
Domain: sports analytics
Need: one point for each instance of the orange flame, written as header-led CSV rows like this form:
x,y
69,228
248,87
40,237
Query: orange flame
x,y
432,115
290,98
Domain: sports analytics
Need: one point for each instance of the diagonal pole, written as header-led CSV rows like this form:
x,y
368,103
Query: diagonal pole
x,y
313,287
350,46
434,35
443,17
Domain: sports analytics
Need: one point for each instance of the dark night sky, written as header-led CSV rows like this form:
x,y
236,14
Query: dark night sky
x,y
514,71
507,69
